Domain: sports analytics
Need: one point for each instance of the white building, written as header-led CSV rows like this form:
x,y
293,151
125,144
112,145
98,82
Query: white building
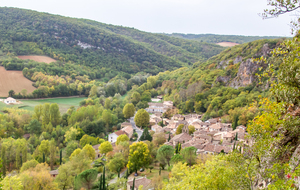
x,y
113,136
10,100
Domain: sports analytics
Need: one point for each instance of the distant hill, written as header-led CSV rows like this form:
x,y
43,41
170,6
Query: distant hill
x,y
214,38
92,48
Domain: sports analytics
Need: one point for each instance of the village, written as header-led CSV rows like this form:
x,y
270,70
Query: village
x,y
209,137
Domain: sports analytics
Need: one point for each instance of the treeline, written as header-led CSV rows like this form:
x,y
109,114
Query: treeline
x,y
214,38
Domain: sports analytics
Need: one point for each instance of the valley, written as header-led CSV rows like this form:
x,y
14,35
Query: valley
x,y
87,105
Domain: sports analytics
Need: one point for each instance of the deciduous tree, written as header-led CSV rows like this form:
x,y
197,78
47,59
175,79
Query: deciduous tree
x,y
128,110
142,118
122,138
138,156
165,154
105,147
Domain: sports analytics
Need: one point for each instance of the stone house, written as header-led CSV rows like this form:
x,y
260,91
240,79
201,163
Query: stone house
x,y
53,173
204,125
168,104
156,128
216,149
227,137
241,128
213,121
181,138
156,107
217,139
178,117
215,127
96,148
128,130
125,124
154,120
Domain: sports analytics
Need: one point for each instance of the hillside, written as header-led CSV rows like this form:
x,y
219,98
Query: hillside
x,y
98,50
214,38
225,82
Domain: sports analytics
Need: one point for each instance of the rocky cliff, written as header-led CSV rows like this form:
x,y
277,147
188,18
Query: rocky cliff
x,y
246,71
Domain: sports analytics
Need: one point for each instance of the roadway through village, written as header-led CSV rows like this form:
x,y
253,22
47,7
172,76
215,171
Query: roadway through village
x,y
137,130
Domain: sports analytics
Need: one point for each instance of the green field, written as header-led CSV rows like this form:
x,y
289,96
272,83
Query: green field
x,y
64,103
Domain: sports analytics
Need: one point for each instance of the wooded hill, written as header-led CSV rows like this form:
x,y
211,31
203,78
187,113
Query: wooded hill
x,y
99,50
215,38
225,82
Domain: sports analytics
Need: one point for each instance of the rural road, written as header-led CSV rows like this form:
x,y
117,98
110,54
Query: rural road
x,y
116,178
137,130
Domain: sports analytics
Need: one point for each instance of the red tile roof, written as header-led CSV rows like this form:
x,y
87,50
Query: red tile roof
x,y
120,132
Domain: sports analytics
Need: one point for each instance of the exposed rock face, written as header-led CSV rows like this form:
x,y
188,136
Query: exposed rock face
x,y
222,65
265,50
247,69
246,74
238,59
225,79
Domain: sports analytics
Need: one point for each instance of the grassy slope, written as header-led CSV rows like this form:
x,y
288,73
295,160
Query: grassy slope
x,y
64,103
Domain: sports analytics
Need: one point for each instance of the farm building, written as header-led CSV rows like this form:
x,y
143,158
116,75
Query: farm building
x,y
10,100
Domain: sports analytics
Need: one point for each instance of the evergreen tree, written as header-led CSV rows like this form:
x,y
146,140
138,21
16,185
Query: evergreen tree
x,y
236,136
176,148
44,159
179,148
234,146
103,183
60,157
18,161
3,157
169,137
133,184
100,182
235,124
127,174
24,154
146,135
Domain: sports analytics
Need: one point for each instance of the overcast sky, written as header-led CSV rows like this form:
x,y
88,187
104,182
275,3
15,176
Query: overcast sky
x,y
239,17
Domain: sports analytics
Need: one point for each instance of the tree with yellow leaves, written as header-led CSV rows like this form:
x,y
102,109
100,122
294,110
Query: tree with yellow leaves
x,y
139,156
38,178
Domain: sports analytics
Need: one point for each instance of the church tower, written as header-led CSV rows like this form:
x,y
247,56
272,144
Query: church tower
x,y
185,129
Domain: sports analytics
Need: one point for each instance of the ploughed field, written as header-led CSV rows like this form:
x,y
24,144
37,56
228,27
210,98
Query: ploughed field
x,y
227,44
37,58
13,80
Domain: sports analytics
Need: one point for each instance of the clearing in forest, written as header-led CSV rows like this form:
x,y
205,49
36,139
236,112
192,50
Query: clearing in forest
x,y
13,80
37,58
227,44
63,103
